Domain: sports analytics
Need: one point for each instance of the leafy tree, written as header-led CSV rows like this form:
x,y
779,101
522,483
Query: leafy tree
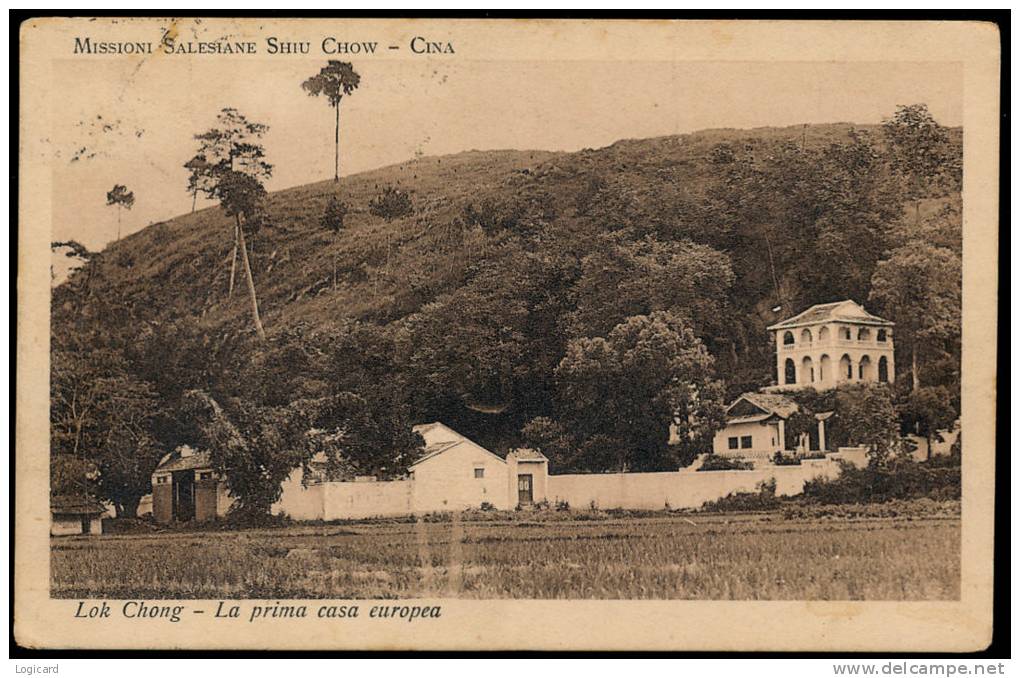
x,y
487,351
101,417
243,195
392,204
919,287
926,411
72,476
233,145
198,177
553,440
920,153
363,421
333,220
334,81
122,198
866,415
623,278
255,448
622,391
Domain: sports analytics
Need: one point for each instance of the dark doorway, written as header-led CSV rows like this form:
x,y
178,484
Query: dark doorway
x,y
184,495
525,493
86,525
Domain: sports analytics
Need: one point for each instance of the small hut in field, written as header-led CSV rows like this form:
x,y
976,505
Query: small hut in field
x,y
75,515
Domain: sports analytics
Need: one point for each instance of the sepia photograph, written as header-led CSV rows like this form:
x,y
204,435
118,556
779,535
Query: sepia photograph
x,y
357,320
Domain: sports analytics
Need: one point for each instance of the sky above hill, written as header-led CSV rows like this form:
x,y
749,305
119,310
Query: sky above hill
x,y
130,122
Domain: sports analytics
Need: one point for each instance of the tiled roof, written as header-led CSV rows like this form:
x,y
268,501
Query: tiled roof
x,y
75,505
434,450
439,438
528,454
770,402
192,461
836,310
748,419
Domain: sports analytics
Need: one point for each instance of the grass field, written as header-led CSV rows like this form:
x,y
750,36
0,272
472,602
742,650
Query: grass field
x,y
658,556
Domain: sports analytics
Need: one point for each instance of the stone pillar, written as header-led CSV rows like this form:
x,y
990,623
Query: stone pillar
x,y
782,434
821,435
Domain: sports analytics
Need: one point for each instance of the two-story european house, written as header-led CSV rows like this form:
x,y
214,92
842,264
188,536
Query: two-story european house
x,y
829,344
821,347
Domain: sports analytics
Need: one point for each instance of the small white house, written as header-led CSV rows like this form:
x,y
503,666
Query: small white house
x,y
75,515
456,473
756,428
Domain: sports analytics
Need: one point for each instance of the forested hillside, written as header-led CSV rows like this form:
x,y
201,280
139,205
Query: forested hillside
x,y
479,300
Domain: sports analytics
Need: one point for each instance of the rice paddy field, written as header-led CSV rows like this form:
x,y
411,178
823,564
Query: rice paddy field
x,y
868,556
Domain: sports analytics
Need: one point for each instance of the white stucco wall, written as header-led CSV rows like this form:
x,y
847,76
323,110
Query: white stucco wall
x,y
300,502
764,440
63,525
367,499
447,481
679,489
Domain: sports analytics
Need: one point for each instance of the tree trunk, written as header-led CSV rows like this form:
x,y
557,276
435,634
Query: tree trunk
x,y
915,381
194,199
233,262
336,143
128,508
251,282
118,223
928,439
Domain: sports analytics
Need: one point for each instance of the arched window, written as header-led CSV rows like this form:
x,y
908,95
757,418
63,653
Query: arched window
x,y
789,372
881,335
824,368
864,369
823,335
807,370
864,334
788,339
846,368
805,336
883,370
844,334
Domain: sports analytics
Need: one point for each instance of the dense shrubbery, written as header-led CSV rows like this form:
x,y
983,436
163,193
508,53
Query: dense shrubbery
x,y
762,500
901,479
393,203
922,507
714,462
780,459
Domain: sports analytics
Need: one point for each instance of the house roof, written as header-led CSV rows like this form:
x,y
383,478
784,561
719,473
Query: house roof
x,y
527,454
748,419
846,311
75,505
436,450
769,403
181,463
443,438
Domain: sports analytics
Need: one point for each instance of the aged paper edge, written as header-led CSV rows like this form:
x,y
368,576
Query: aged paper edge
x,y
956,626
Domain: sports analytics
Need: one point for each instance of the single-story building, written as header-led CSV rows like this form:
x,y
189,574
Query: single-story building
x,y
457,473
756,428
75,515
185,487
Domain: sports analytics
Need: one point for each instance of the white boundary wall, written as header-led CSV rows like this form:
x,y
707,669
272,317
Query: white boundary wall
x,y
687,488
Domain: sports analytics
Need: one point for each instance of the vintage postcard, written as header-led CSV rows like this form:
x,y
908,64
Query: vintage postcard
x,y
506,334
